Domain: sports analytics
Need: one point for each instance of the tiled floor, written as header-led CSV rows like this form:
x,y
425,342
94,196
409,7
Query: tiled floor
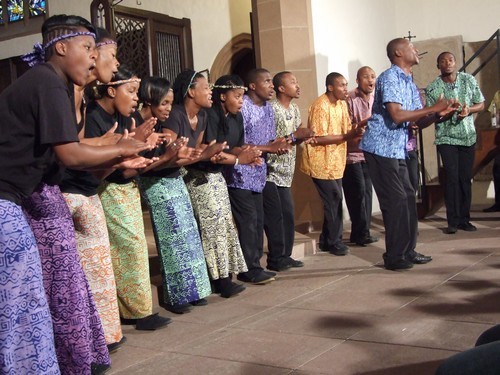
x,y
339,315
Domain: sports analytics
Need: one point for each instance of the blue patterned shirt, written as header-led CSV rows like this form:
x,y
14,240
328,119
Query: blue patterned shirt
x,y
383,136
258,122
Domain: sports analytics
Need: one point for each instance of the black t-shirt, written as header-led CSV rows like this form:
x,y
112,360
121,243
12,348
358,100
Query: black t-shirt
x,y
36,112
178,122
97,123
229,130
156,152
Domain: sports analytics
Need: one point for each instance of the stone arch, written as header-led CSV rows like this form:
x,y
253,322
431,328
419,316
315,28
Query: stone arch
x,y
231,55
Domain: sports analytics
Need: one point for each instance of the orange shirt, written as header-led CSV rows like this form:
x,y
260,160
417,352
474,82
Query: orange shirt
x,y
325,118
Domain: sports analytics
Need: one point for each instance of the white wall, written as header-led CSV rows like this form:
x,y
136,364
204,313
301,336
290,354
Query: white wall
x,y
351,34
474,20
213,23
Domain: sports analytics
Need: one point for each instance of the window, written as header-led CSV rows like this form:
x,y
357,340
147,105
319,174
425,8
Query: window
x,y
150,43
21,17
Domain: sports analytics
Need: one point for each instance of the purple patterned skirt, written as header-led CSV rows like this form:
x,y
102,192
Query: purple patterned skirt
x,y
79,338
26,337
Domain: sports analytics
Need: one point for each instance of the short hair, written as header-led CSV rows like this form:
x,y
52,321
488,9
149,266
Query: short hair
x,y
330,78
183,82
62,24
442,54
278,80
253,74
153,90
392,46
100,91
366,67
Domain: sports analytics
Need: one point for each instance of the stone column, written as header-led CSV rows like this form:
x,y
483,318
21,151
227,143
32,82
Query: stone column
x,y
283,38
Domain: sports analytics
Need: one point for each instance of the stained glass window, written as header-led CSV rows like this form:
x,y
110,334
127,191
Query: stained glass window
x,y
15,10
37,7
1,13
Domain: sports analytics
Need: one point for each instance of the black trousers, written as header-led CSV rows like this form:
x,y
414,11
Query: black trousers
x,y
330,192
279,222
412,164
457,164
397,203
357,186
248,214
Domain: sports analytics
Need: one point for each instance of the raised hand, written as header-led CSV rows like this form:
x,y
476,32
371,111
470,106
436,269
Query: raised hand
x,y
464,112
212,149
280,146
110,137
156,139
130,146
145,130
135,162
249,155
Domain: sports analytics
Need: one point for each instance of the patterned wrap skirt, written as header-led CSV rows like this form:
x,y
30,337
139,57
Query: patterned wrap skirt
x,y
26,335
95,257
219,236
129,248
184,271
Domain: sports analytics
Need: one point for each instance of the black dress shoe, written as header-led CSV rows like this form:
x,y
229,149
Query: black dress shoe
x,y
260,278
366,241
152,322
178,308
116,345
269,273
99,368
339,249
468,227
231,290
199,302
450,230
420,259
323,247
494,208
279,267
398,265
295,263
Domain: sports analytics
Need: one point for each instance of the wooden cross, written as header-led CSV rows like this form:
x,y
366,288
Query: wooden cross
x,y
409,37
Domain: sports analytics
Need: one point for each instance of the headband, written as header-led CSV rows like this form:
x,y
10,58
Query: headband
x,y
100,44
190,83
38,54
231,87
121,82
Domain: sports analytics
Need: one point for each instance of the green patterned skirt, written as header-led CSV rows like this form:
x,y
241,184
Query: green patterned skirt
x,y
129,248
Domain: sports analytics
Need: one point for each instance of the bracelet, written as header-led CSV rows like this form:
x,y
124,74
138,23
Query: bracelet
x,y
293,138
236,162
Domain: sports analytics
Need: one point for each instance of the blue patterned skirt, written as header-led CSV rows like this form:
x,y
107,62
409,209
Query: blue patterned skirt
x,y
185,277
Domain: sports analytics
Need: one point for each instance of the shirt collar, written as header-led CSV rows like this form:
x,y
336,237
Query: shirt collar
x,y
401,73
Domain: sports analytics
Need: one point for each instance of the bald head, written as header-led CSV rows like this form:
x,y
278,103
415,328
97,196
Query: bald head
x,y
395,45
364,70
